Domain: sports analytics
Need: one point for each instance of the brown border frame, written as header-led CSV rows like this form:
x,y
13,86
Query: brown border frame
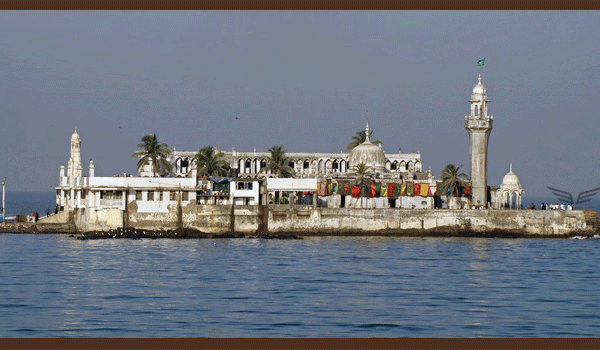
x,y
298,5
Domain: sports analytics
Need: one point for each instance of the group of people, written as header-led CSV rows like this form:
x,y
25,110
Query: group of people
x,y
548,206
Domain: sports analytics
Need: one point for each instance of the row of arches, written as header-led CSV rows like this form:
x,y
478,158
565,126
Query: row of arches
x,y
403,165
300,165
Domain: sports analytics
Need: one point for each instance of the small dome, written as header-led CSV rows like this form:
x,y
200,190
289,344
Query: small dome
x,y
479,88
75,137
510,178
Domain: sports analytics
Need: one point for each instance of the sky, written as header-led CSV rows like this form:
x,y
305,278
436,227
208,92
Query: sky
x,y
302,80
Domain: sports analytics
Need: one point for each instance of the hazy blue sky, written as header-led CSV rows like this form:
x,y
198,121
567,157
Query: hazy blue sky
x,y
304,80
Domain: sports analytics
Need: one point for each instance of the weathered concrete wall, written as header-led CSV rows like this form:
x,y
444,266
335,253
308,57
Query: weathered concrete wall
x,y
219,219
394,220
206,218
58,218
97,220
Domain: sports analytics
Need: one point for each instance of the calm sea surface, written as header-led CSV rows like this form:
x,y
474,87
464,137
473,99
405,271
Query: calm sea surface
x,y
57,286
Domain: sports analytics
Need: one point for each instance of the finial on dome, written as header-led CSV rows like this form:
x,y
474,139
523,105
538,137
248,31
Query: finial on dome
x,y
367,130
511,167
479,79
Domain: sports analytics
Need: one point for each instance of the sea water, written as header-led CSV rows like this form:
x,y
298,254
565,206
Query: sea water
x,y
58,286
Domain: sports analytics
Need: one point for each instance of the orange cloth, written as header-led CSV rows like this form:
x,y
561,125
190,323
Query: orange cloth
x,y
424,190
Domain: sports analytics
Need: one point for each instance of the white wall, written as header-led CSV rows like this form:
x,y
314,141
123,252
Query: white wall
x,y
289,184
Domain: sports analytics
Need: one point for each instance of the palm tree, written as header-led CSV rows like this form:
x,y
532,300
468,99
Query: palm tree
x,y
153,152
359,138
452,180
362,175
211,163
277,163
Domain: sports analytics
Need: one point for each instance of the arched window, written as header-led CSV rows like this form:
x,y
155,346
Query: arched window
x,y
394,166
306,164
178,165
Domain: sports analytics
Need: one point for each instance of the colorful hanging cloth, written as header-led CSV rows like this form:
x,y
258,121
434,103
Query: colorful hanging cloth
x,y
355,191
468,189
416,189
438,189
373,190
410,187
364,190
424,190
403,190
384,191
398,189
391,189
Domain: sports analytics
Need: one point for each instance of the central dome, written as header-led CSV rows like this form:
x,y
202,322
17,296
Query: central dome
x,y
369,154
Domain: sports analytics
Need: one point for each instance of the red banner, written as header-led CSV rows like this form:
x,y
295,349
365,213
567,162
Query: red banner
x,y
391,190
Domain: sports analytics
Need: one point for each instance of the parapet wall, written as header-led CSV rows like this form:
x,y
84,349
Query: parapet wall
x,y
220,219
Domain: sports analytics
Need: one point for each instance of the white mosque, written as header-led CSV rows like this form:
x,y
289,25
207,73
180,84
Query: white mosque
x,y
155,193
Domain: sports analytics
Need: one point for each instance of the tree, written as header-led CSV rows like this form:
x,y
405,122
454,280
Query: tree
x,y
211,163
277,163
359,138
362,175
452,180
153,152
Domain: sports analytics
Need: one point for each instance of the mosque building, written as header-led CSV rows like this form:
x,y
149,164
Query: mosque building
x,y
309,165
396,179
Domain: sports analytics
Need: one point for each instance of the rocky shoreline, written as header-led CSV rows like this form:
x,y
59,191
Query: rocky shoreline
x,y
189,233
181,233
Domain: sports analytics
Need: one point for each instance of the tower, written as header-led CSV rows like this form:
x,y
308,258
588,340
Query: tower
x,y
479,125
74,165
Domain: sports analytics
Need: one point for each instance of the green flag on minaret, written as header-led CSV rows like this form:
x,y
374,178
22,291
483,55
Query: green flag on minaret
x,y
481,62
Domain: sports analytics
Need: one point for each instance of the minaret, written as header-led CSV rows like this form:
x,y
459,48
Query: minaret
x,y
479,126
74,166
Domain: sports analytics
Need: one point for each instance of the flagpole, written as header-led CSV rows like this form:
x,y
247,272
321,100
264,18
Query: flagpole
x,y
483,81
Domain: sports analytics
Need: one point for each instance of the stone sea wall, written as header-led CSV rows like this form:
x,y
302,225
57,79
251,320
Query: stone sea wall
x,y
307,221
